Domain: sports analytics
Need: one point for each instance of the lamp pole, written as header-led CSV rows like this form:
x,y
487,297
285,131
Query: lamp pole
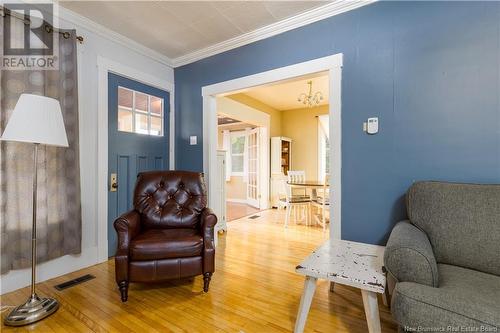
x,y
33,229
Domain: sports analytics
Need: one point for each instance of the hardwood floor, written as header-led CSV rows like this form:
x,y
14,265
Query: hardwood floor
x,y
236,210
254,289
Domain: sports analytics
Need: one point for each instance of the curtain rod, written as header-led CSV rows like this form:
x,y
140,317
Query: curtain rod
x,y
47,27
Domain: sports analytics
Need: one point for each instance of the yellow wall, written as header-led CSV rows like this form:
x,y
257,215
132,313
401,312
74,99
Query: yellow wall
x,y
236,188
275,126
301,125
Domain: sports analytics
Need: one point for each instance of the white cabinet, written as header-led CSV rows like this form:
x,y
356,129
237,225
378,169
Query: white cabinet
x,y
281,162
220,204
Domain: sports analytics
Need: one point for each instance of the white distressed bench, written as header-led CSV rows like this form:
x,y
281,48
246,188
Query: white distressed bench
x,y
354,264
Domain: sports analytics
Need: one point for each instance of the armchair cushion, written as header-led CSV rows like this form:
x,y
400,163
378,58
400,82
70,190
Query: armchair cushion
x,y
155,244
465,298
409,257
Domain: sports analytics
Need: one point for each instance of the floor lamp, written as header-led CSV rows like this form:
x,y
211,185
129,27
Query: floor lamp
x,y
36,120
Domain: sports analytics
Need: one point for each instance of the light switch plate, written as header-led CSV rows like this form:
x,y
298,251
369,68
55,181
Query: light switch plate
x,y
193,140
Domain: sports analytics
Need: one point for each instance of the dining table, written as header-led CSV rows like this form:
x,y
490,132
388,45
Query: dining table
x,y
313,185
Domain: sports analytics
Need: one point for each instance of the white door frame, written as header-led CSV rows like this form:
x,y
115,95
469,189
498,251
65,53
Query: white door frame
x,y
105,66
332,64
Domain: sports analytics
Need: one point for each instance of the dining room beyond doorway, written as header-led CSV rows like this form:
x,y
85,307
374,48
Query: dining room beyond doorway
x,y
310,100
294,154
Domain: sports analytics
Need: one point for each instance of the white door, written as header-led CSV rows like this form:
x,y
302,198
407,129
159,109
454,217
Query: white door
x,y
253,193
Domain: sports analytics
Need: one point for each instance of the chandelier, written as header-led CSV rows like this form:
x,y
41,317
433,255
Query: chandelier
x,y
310,100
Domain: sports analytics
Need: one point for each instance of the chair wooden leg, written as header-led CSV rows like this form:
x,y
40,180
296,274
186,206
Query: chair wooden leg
x,y
324,214
287,217
310,211
206,281
306,214
123,286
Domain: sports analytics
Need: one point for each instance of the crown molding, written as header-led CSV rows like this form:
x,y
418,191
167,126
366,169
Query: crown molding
x,y
300,20
85,23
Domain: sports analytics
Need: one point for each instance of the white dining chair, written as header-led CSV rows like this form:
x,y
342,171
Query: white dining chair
x,y
290,202
322,201
298,176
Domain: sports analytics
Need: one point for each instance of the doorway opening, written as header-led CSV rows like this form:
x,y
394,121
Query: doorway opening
x,y
244,140
322,141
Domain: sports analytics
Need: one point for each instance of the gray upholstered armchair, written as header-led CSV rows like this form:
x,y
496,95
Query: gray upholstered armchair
x,y
445,259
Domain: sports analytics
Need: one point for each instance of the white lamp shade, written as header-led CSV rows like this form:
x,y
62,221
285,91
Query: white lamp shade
x,y
36,119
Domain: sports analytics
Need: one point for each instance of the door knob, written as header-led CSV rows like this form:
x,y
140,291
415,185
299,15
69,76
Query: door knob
x,y
113,182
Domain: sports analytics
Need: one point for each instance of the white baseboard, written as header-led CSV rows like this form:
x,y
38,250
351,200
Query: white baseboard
x,y
21,278
242,201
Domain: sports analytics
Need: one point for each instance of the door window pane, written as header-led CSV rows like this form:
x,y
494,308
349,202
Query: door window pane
x,y
139,112
141,123
125,120
125,98
156,126
156,105
141,102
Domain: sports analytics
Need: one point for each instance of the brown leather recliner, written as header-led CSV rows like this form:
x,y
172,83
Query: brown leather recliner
x,y
170,232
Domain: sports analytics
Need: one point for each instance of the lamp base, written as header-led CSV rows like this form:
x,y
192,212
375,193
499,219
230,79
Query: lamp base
x,y
33,310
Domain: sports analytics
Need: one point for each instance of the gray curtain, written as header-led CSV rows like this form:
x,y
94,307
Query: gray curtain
x,y
59,208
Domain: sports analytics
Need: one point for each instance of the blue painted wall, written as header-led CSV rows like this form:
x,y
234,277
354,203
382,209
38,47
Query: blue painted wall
x,y
430,72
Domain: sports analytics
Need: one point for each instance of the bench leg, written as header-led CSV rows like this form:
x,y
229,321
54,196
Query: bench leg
x,y
305,303
371,311
385,297
332,287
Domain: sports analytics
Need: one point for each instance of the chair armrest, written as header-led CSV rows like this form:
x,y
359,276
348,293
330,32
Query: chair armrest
x,y
127,226
409,257
208,222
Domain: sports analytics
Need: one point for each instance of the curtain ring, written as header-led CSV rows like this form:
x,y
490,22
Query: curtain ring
x,y
48,28
66,35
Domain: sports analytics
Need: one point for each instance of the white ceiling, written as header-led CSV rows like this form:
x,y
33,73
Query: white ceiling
x,y
283,95
177,28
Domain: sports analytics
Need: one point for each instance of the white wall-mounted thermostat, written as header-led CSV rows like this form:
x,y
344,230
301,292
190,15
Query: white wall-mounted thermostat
x,y
371,126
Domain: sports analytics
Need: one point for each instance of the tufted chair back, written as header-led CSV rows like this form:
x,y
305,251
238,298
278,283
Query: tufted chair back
x,y
170,199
